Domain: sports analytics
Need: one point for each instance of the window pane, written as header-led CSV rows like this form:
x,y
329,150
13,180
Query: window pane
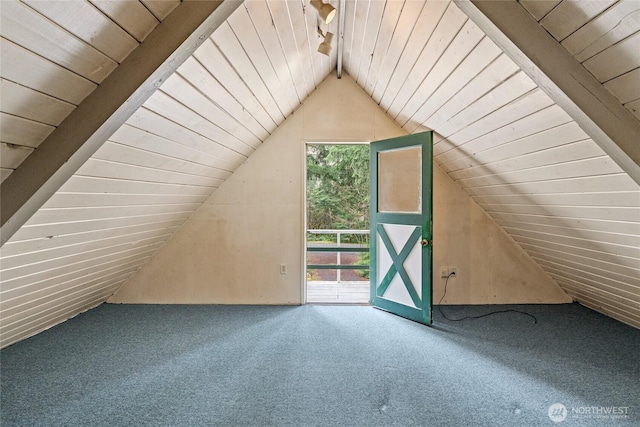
x,y
400,180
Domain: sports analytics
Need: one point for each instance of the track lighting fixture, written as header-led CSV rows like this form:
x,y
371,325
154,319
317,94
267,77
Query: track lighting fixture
x,y
325,10
325,46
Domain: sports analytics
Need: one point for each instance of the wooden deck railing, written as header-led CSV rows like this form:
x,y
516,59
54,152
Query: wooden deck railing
x,y
339,248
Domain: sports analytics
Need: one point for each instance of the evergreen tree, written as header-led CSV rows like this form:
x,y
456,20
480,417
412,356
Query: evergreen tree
x,y
338,186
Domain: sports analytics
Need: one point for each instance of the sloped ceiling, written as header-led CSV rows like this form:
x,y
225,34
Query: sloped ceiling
x,y
603,36
499,136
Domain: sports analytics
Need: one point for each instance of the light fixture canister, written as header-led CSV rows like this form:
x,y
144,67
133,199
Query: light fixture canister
x,y
325,11
325,46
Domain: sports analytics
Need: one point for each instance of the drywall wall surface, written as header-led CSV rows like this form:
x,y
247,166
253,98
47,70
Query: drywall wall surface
x,y
491,267
231,250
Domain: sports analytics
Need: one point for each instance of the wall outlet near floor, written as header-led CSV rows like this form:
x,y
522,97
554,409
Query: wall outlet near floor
x,y
283,268
448,271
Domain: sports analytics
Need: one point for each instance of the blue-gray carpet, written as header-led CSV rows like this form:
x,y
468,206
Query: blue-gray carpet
x,y
132,365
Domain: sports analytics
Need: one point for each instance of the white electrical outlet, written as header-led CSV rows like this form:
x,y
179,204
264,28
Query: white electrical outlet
x,y
283,268
444,272
453,271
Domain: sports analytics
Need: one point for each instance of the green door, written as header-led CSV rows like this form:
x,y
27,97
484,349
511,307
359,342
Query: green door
x,y
401,226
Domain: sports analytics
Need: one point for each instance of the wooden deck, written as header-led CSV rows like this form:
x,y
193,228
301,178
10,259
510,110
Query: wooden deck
x,y
337,293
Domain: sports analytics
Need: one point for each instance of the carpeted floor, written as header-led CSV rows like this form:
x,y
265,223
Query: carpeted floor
x,y
132,365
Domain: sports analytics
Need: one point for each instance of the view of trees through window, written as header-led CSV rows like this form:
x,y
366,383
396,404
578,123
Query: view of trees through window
x,y
338,187
338,194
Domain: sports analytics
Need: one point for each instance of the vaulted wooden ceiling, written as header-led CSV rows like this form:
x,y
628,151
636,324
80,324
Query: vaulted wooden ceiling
x,y
532,164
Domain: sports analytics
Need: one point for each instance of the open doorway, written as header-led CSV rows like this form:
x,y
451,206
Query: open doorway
x,y
337,218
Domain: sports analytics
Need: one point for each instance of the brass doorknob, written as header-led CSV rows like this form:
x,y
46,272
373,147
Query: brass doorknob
x,y
424,242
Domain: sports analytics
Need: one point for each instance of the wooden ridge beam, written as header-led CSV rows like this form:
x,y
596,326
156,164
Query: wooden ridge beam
x,y
80,135
561,77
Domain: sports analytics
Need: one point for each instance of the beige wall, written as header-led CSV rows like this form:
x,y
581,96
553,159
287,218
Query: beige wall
x,y
230,250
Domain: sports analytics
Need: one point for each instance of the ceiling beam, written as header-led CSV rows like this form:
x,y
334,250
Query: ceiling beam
x,y
561,77
80,135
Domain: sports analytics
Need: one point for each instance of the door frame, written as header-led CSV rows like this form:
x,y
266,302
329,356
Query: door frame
x,y
306,143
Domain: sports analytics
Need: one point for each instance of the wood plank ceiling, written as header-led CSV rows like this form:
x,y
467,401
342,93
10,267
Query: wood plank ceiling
x,y
499,136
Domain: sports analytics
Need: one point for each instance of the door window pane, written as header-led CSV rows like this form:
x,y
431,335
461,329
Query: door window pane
x,y
400,180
